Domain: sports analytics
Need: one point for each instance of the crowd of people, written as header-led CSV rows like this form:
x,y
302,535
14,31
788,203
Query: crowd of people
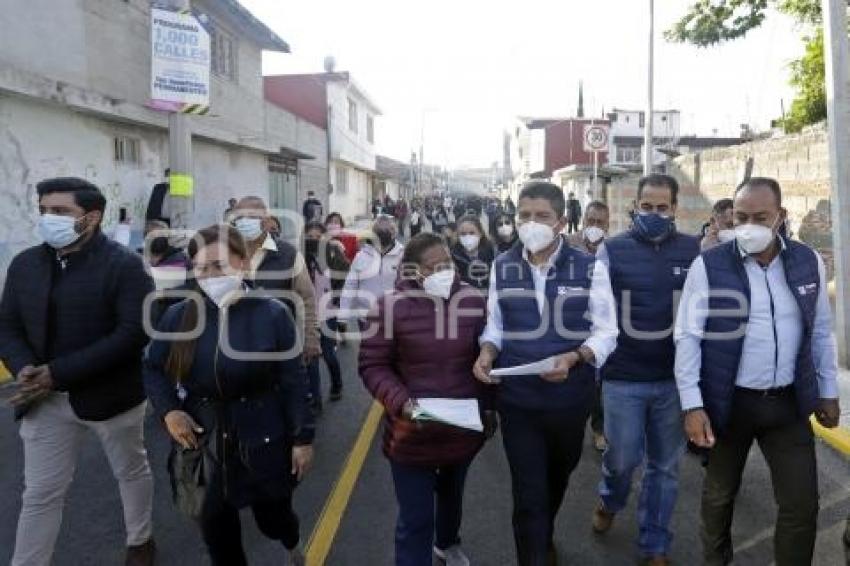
x,y
224,336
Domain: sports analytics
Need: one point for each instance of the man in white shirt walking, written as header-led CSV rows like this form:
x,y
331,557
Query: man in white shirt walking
x,y
756,309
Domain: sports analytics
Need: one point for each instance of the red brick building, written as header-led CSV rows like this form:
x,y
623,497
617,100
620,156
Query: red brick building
x,y
564,143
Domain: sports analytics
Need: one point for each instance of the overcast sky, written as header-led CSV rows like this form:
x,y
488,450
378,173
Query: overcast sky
x,y
470,66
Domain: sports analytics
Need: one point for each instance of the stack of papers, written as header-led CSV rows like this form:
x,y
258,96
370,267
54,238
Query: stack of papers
x,y
462,413
534,368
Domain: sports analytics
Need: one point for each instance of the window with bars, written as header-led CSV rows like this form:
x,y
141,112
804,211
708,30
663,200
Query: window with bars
x,y
127,150
629,154
224,53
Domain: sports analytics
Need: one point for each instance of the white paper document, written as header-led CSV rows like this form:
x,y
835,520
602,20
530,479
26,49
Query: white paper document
x,y
462,413
534,368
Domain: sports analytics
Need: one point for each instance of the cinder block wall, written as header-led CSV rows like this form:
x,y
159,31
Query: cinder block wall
x,y
800,162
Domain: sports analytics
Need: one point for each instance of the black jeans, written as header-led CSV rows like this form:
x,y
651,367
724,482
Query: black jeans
x,y
787,442
222,531
543,448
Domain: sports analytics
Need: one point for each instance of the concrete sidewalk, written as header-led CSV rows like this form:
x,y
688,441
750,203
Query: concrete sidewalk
x,y
839,438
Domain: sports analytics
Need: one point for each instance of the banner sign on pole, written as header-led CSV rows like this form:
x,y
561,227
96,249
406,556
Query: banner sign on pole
x,y
180,62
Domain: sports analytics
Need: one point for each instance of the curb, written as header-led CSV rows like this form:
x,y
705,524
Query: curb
x,y
838,438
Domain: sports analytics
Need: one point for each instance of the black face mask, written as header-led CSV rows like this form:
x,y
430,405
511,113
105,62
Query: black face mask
x,y
311,247
159,246
385,237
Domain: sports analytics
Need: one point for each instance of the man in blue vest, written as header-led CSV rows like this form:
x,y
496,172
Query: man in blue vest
x,y
648,265
756,310
547,301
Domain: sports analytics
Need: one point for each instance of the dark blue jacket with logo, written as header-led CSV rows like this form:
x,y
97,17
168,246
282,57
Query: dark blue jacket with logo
x,y
566,309
724,267
645,276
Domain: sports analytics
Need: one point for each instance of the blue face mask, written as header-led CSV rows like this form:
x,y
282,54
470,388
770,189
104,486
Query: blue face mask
x,y
653,226
58,231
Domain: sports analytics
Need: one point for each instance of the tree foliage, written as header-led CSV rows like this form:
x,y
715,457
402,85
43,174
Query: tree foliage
x,y
711,22
807,77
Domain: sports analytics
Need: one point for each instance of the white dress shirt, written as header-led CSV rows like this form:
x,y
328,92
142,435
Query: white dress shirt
x,y
773,334
601,307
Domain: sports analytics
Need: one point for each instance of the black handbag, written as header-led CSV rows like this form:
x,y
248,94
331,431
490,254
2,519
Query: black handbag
x,y
190,471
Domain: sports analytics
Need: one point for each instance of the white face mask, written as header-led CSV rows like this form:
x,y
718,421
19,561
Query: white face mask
x,y
439,284
334,229
218,288
726,235
58,231
754,238
594,234
470,242
505,231
250,228
535,236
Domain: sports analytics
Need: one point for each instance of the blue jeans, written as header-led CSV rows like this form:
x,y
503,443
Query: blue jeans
x,y
643,421
417,489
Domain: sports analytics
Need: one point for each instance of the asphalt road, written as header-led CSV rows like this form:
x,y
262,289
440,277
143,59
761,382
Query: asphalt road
x,y
92,532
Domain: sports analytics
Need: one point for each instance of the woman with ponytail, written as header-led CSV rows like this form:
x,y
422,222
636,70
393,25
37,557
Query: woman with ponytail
x,y
227,380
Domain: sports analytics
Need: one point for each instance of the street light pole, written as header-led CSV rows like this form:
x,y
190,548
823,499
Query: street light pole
x,y
837,59
181,206
647,143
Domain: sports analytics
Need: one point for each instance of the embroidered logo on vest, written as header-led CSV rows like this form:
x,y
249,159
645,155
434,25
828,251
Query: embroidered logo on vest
x,y
807,289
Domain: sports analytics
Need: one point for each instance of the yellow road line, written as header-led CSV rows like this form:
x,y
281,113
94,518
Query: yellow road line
x,y
321,541
838,438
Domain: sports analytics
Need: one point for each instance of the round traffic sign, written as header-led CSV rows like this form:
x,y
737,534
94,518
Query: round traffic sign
x,y
596,138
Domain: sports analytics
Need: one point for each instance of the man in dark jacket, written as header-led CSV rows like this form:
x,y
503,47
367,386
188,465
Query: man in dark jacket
x,y
71,331
278,267
312,210
648,266
573,214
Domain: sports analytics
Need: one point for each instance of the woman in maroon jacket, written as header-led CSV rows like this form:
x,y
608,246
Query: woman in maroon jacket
x,y
410,357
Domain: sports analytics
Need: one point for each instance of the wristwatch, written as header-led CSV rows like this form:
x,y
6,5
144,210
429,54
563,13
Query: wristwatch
x,y
585,354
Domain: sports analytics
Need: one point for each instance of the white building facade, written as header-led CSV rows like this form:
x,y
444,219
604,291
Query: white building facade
x,y
352,119
628,128
74,88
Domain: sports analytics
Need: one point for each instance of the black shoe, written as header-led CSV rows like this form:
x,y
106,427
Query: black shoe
x,y
141,555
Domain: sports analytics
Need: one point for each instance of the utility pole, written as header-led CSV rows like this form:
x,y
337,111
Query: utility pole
x,y
648,123
837,60
181,206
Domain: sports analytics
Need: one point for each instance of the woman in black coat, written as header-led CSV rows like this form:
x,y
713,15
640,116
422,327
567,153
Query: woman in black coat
x,y
505,235
240,399
473,254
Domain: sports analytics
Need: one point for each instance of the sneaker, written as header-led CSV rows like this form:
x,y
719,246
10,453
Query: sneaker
x,y
452,556
296,556
600,442
141,555
602,520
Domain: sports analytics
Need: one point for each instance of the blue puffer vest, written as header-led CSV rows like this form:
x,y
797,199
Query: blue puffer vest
x,y
564,326
721,357
645,276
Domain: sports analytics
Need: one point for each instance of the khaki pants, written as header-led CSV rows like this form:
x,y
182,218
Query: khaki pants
x,y
52,434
